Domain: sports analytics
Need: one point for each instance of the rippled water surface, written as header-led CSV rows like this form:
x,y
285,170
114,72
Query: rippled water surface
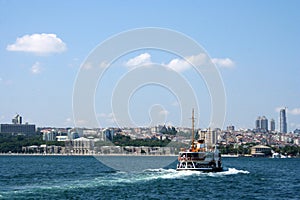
x,y
62,177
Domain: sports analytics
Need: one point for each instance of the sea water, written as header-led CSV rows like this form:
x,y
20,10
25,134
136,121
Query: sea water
x,y
83,177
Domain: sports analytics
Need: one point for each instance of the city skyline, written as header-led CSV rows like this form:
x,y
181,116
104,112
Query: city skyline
x,y
262,125
254,45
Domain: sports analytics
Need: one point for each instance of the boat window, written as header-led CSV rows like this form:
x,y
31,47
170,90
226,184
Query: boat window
x,y
209,156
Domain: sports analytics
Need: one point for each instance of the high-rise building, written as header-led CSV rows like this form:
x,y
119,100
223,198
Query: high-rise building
x,y
17,127
264,124
272,125
282,121
261,124
257,123
210,136
17,119
109,133
230,128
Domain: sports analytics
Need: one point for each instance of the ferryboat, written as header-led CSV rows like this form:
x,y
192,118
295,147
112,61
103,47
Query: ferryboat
x,y
199,157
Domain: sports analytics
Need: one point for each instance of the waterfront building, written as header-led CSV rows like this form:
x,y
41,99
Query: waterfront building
x,y
43,149
282,121
79,146
260,151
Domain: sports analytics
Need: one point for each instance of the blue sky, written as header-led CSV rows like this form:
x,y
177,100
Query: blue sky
x,y
255,45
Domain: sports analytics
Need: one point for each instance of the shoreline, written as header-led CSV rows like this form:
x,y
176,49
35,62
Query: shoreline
x,y
94,155
113,155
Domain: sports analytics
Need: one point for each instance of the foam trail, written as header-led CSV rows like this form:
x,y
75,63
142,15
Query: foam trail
x,y
173,174
169,173
230,171
235,171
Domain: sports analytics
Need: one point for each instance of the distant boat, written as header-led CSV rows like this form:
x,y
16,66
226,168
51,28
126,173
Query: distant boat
x,y
230,155
198,157
278,155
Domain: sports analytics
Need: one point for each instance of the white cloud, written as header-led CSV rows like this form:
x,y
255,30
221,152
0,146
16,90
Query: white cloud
x,y
175,103
141,59
164,112
107,117
277,109
102,115
87,66
81,122
295,111
223,62
69,122
197,60
74,63
180,65
39,44
103,64
8,82
294,125
92,66
36,68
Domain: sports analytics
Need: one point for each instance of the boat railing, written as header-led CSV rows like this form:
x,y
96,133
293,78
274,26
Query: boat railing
x,y
183,158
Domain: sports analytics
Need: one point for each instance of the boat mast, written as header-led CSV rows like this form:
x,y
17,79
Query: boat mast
x,y
193,129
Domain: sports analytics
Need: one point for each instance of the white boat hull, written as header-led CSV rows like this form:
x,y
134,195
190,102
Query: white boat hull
x,y
201,169
199,161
